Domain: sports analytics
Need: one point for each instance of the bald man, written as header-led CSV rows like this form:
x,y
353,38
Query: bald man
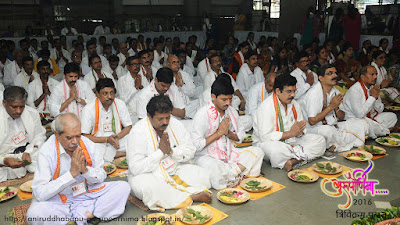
x,y
69,179
123,54
259,92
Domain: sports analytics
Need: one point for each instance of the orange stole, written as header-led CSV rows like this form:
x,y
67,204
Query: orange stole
x,y
239,60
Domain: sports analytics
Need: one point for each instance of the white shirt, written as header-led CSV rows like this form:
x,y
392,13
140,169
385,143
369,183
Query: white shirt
x,y
64,31
61,94
1,91
203,68
188,87
176,97
101,30
13,127
126,88
256,95
264,120
246,78
45,188
91,78
121,71
104,61
2,65
158,57
189,70
189,62
35,90
22,79
122,58
156,65
10,72
142,71
105,118
382,73
302,86
54,54
212,76
312,104
355,105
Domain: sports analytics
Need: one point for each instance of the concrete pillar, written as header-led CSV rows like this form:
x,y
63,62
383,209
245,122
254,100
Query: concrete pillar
x,y
291,17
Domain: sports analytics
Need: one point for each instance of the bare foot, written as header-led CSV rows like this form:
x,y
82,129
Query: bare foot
x,y
119,155
202,197
332,148
290,163
89,215
130,199
394,129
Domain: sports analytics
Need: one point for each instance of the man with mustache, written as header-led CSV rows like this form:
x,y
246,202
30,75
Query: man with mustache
x,y
259,92
204,65
162,84
362,101
106,121
304,76
27,75
69,183
39,90
91,49
131,84
280,129
71,94
12,69
215,126
249,74
146,69
323,108
159,154
97,72
21,136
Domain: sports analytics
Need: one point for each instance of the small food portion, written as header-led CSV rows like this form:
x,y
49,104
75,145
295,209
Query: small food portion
x,y
123,163
26,162
158,219
248,139
387,141
327,167
254,185
303,176
233,196
6,193
358,156
193,215
374,150
395,135
109,168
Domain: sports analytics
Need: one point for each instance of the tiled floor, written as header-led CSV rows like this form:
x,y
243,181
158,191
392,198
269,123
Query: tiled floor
x,y
295,204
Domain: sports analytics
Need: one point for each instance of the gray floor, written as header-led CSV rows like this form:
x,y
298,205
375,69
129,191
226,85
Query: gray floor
x,y
295,204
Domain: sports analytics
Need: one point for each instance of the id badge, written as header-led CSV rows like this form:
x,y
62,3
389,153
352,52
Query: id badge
x,y
107,127
167,162
290,140
78,189
19,138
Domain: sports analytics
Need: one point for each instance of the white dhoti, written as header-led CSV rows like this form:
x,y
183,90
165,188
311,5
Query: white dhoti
x,y
156,193
191,107
386,119
306,147
348,134
221,173
108,151
107,203
246,122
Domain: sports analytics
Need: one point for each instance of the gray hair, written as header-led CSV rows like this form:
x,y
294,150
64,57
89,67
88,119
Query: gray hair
x,y
62,119
268,76
15,93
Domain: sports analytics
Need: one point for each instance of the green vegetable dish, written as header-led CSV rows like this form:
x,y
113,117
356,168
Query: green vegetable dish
x,y
254,185
123,163
327,168
372,150
377,217
194,215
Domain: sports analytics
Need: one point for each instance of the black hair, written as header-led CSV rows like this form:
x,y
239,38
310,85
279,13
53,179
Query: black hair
x,y
243,44
71,68
160,104
222,86
212,56
141,53
113,58
284,80
165,75
89,43
250,54
42,63
321,70
300,55
130,59
26,59
382,40
103,83
93,56
377,53
44,52
15,93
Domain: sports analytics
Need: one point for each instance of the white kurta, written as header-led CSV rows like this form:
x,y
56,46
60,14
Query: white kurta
x,y
142,71
356,106
266,136
1,91
212,76
343,135
108,201
203,68
99,30
31,131
158,57
22,79
91,78
188,87
35,90
255,96
104,61
64,31
121,71
10,72
154,183
54,54
2,65
223,170
176,97
61,94
382,75
105,122
302,86
247,79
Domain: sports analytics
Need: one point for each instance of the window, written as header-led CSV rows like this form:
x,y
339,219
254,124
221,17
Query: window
x,y
275,9
272,7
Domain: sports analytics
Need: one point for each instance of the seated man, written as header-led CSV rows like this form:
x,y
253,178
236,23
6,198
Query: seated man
x,y
106,121
322,106
159,152
259,92
304,76
97,72
71,94
114,69
214,126
39,90
146,69
279,128
27,75
249,73
362,101
21,136
69,182
162,84
45,56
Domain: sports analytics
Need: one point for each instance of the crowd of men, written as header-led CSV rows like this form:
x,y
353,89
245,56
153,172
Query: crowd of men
x,y
175,119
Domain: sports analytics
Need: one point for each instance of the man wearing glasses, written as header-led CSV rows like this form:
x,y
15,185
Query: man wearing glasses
x,y
304,76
